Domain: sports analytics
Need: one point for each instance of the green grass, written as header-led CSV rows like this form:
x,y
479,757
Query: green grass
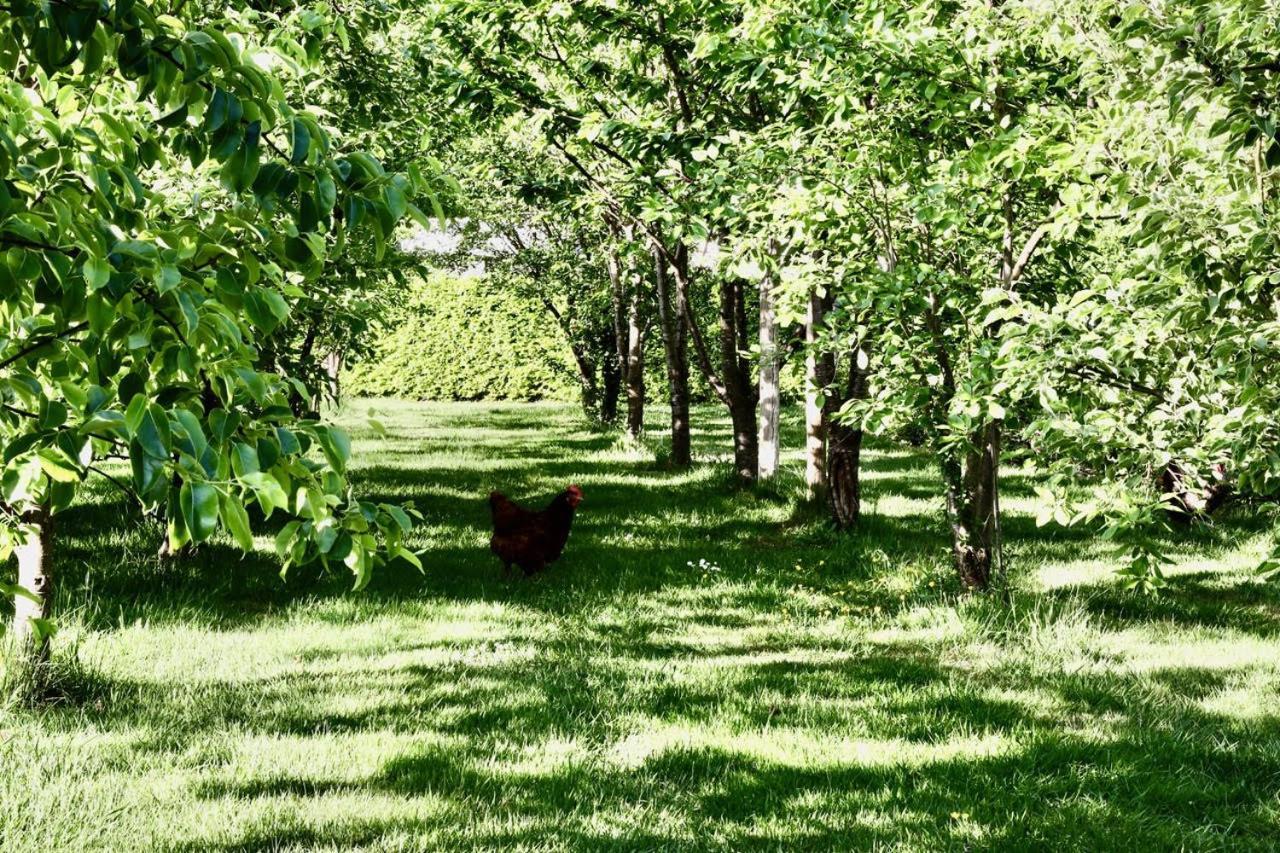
x,y
799,689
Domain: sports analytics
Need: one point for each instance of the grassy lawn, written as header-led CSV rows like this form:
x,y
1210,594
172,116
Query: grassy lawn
x,y
705,669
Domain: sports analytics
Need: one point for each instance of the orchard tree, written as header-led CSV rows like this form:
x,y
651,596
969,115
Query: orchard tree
x,y
1159,374
163,207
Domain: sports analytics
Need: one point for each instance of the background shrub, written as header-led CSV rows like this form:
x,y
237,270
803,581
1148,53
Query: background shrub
x,y
461,338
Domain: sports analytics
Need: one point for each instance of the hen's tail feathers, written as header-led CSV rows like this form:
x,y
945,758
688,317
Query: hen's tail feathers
x,y
503,510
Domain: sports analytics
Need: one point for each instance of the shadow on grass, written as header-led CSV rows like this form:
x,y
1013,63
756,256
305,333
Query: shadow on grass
x,y
692,714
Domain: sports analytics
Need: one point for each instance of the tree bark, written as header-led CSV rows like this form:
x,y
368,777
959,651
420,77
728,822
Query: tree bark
x,y
35,575
629,334
973,508
732,383
333,375
634,364
611,390
590,391
769,444
844,446
671,314
819,372
740,394
618,283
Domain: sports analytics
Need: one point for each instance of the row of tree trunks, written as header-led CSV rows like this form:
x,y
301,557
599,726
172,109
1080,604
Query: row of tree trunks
x,y
732,383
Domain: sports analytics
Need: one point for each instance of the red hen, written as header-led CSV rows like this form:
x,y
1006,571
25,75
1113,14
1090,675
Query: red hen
x,y
528,539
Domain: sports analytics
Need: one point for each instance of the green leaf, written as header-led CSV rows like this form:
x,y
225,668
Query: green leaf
x,y
336,445
236,519
199,503
244,460
267,490
58,468
152,431
410,558
301,141
97,272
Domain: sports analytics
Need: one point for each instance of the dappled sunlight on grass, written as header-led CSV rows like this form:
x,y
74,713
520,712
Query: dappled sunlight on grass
x,y
706,668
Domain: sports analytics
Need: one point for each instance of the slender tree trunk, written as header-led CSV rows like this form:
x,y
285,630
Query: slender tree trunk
x,y
770,449
611,390
634,364
844,447
628,335
619,281
819,372
333,374
740,395
302,407
35,575
671,314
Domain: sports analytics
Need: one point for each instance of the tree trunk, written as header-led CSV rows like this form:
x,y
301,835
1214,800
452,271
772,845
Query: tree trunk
x,y
634,365
671,314
611,389
770,450
35,575
1186,498
819,372
333,375
844,446
732,384
739,394
628,335
619,281
973,508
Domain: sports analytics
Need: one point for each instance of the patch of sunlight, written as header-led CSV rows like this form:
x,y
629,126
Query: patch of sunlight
x,y
619,825
1241,557
1068,573
799,748
711,638
1139,652
1253,700
240,823
483,655
335,758
897,506
474,635
545,758
921,625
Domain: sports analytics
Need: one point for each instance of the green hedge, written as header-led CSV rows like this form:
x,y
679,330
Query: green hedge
x,y
461,338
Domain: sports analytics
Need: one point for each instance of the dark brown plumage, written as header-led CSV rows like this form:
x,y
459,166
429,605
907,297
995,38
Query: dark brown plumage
x,y
531,539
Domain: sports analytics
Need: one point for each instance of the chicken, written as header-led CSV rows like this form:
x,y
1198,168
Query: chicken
x,y
528,539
